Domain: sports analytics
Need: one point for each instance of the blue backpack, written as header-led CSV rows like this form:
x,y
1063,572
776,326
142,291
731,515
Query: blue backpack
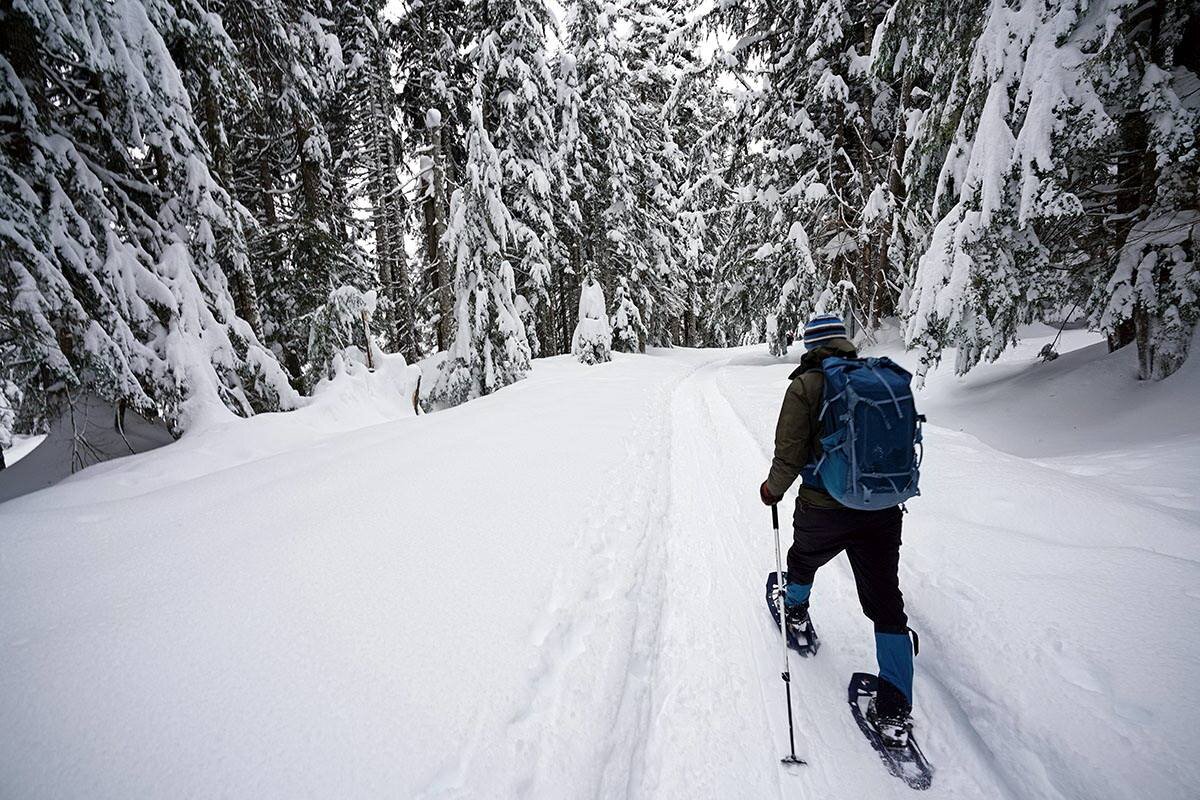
x,y
870,434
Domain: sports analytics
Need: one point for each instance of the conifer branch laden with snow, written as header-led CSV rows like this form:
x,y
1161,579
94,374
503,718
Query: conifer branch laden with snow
x,y
490,349
1072,153
115,225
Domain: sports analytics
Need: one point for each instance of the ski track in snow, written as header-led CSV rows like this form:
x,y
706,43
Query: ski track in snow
x,y
662,662
649,666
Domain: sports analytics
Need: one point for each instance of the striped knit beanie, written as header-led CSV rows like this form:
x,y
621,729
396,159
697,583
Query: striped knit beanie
x,y
821,329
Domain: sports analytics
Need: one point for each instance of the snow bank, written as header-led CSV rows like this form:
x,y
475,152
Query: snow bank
x,y
354,399
1086,400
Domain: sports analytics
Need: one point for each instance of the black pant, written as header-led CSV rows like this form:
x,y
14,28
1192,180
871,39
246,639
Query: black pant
x,y
871,540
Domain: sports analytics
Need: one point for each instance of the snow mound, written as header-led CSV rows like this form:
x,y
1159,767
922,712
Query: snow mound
x,y
353,399
1086,400
592,341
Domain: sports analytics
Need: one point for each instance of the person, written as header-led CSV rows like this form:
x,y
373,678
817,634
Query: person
x,y
824,528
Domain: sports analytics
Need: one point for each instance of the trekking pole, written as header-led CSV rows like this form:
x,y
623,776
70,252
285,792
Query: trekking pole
x,y
787,670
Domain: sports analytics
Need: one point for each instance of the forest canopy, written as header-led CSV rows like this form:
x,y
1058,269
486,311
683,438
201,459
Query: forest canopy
x,y
190,192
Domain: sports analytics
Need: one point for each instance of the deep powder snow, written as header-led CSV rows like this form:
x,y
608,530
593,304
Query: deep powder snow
x,y
555,591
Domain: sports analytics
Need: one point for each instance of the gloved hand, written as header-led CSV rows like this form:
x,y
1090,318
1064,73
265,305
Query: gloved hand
x,y
765,495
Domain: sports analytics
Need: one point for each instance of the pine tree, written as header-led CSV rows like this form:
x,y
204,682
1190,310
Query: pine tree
x,y
1049,104
340,329
626,170
657,56
1153,293
598,147
698,122
283,132
820,182
534,181
573,151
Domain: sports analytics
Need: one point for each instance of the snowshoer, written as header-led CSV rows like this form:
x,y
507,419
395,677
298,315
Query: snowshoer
x,y
824,527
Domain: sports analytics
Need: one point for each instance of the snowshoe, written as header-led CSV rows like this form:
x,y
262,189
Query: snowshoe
x,y
801,635
903,758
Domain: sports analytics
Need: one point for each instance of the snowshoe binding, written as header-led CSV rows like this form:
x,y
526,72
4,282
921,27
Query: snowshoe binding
x,y
893,729
801,635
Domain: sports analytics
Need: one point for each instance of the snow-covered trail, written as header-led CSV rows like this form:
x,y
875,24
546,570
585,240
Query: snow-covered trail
x,y
721,720
557,591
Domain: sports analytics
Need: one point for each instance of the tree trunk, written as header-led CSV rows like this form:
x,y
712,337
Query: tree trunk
x,y
886,306
233,260
310,174
389,211
434,208
380,218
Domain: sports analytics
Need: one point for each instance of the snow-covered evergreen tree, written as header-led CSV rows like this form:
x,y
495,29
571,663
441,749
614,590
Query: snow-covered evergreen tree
x,y
289,155
524,98
529,318
1153,293
592,340
490,348
658,54
597,136
619,80
816,183
365,146
628,331
109,266
339,328
698,120
1042,182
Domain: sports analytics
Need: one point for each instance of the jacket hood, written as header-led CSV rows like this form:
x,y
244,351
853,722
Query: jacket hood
x,y
812,359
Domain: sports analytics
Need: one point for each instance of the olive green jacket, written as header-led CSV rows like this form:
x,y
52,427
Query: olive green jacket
x,y
798,432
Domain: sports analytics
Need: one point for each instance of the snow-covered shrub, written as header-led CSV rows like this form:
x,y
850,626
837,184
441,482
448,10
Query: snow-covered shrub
x,y
592,342
337,330
628,332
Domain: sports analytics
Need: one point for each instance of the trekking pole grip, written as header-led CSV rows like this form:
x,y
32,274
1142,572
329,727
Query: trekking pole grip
x,y
775,516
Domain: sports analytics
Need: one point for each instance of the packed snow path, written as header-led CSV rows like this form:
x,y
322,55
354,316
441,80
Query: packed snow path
x,y
556,591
